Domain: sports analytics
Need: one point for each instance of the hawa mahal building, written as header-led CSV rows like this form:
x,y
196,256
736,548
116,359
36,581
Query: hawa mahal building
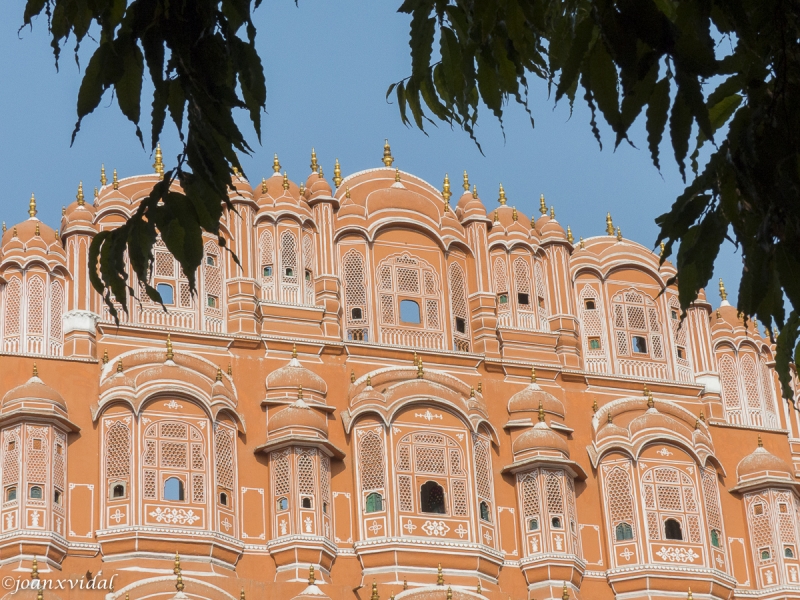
x,y
417,395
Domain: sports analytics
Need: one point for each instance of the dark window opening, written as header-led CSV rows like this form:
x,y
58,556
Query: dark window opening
x,y
594,343
681,352
788,552
289,271
11,445
541,302
308,275
223,499
173,489
166,292
673,530
431,497
765,554
533,524
356,335
523,299
212,301
461,325
589,304
374,502
485,512
715,538
639,344
57,497
267,271
674,314
409,312
325,508
502,299
118,491
556,522
623,532
36,493
305,503
11,494
356,313
210,261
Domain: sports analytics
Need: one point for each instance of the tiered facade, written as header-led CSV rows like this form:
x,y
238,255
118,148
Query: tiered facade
x,y
387,384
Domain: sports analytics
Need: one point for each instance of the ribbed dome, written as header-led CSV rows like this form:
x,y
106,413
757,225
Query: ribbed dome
x,y
652,419
317,187
78,215
540,437
761,462
529,399
295,375
298,416
26,233
34,391
551,229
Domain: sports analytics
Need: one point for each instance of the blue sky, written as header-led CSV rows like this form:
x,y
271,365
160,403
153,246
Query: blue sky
x,y
328,65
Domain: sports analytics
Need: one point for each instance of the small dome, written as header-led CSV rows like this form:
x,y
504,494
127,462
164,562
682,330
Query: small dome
x,y
762,463
31,393
530,398
31,232
652,419
540,437
318,187
293,376
297,416
78,215
551,230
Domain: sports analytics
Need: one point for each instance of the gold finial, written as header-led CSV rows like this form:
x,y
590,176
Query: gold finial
x,y
177,571
241,594
294,350
645,391
236,172
594,405
570,239
718,314
170,353
446,189
439,575
397,175
4,226
337,174
285,181
609,224
478,589
722,293
159,164
299,392
471,391
105,356
119,366
552,212
760,441
619,234
565,592
689,595
514,215
650,402
387,154
79,196
610,418
219,373
661,255
475,191
263,185
480,387
302,189
465,185
374,595
347,193
14,232
276,164
533,374
496,217
35,569
369,380
32,207
502,199
230,370
449,593
581,244
541,411
542,205
37,229
696,424
311,579
40,594
96,194
127,596
702,417
320,174
314,166
103,178
416,359
405,584
420,370
352,376
35,370
115,180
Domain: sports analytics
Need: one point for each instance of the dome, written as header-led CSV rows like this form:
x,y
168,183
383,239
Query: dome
x,y
297,416
33,391
762,463
540,437
318,187
293,376
551,230
652,419
533,396
30,233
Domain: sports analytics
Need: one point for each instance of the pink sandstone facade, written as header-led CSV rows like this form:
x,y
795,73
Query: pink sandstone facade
x,y
360,397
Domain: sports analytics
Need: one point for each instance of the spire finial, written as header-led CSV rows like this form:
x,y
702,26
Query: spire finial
x,y
533,374
230,370
96,194
760,441
496,217
397,175
446,189
661,254
416,359
722,293
311,579
480,387
159,164
115,180
177,572
570,239
119,366
263,185
439,575
369,380
219,373
471,391
103,178
37,230
502,198
276,164
609,224
387,154
581,244
352,376
320,174
285,181
478,589
337,174
514,215
374,595
35,568
645,391
449,593
594,406
542,205
294,350
475,191
552,212
347,192
420,370
565,592
170,353
702,416
32,207
299,392
405,584
105,356
541,411
610,418
650,402
4,226
689,595
619,234
314,165
35,370
465,185
241,595
79,196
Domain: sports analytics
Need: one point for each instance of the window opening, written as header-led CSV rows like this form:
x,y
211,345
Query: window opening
x,y
374,503
173,489
673,530
432,498
409,312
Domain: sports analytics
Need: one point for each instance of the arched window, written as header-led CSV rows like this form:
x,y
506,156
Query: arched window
x,y
526,307
118,458
541,298
308,269
730,389
617,490
715,538
118,490
35,305
458,308
35,492
169,280
374,503
673,530
212,289
484,508
547,501
56,318
372,467
591,315
174,450
623,532
289,281
13,315
223,499
267,264
173,489
223,463
683,364
432,499
501,289
638,336
167,293
355,296
409,312
533,524
305,502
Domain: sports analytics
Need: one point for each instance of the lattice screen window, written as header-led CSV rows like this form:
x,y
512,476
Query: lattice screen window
x,y
522,285
12,464
372,470
36,308
355,295
636,326
308,269
713,512
528,484
180,452
784,502
730,388
212,282
483,473
13,314
618,492
759,510
458,308
591,314
501,288
749,376
118,459
768,393
289,276
405,278
541,298
671,496
306,477
679,333
224,462
56,318
266,248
